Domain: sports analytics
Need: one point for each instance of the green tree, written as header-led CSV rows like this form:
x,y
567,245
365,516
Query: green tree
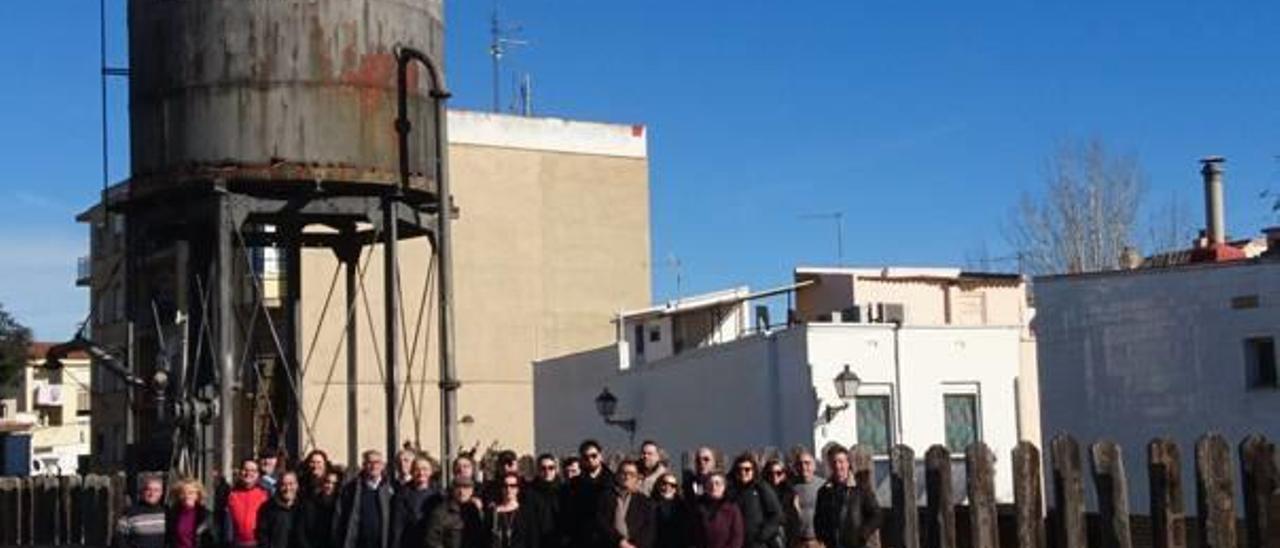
x,y
15,342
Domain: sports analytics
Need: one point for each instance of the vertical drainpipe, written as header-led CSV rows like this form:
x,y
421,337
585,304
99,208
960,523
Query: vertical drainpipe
x,y
223,225
897,382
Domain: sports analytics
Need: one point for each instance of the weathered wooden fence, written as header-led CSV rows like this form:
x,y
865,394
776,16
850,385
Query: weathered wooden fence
x,y
72,510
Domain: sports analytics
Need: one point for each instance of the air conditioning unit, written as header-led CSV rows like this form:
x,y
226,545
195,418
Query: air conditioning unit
x,y
852,314
893,313
49,395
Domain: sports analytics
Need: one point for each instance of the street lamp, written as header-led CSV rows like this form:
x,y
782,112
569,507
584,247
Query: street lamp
x,y
847,383
607,405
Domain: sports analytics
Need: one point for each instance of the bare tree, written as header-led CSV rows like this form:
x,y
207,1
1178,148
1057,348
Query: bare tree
x,y
1086,214
1171,225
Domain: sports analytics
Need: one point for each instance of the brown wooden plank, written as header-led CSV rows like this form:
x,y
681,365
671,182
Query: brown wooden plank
x,y
1028,500
1168,511
10,510
1258,481
980,473
1068,493
1215,493
906,515
1107,462
864,473
940,528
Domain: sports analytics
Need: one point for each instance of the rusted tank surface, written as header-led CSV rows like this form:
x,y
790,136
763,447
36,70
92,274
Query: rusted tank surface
x,y
277,90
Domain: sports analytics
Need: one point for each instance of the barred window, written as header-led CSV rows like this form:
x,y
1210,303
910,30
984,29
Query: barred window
x,y
961,421
875,417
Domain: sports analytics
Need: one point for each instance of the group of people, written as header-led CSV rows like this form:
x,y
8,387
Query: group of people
x,y
577,502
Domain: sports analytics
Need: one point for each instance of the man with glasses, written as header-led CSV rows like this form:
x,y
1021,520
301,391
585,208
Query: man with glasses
x,y
458,522
847,513
625,517
584,495
704,465
411,505
805,484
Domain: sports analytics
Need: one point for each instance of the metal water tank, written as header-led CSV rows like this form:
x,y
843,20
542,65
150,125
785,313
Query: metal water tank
x,y
276,90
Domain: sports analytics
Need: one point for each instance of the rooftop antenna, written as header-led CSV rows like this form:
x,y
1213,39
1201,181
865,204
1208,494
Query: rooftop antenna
x,y
673,262
837,217
499,39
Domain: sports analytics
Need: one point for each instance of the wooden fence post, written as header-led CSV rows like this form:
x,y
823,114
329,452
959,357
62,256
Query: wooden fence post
x,y
1168,513
1258,480
979,465
72,510
940,529
1215,498
1027,499
906,515
1068,492
10,511
1107,462
97,514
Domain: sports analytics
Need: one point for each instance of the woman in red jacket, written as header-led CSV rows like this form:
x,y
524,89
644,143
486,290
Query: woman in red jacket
x,y
719,522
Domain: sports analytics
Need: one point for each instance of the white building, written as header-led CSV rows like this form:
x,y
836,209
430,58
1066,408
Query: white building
x,y
1175,346
942,356
52,407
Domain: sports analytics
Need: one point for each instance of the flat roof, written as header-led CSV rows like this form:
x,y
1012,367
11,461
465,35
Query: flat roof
x,y
468,127
907,273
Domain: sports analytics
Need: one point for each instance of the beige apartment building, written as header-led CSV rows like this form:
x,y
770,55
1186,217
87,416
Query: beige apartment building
x,y
551,240
52,407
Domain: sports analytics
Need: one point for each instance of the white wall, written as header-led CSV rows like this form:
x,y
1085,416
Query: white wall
x,y
1135,355
980,360
766,390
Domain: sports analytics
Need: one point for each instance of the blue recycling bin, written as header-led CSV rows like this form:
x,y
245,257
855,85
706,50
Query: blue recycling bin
x,y
15,454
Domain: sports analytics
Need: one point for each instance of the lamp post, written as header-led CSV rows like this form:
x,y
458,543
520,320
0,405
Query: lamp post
x,y
847,383
607,405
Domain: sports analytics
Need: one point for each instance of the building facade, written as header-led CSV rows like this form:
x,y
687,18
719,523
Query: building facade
x,y
551,237
52,407
924,378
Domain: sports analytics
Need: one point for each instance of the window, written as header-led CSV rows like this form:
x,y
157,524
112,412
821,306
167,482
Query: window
x,y
83,400
961,421
1260,361
874,418
655,334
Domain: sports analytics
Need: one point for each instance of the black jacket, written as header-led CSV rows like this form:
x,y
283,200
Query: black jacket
x,y
206,534
845,516
410,509
581,503
761,514
277,525
640,526
314,521
547,499
516,529
347,522
671,520
452,525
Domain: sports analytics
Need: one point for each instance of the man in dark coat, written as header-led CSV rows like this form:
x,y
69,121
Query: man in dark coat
x,y
847,514
277,525
457,522
364,507
547,491
761,511
582,500
412,505
625,515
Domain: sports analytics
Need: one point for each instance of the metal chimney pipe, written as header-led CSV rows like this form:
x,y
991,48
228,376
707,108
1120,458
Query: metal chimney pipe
x,y
1214,218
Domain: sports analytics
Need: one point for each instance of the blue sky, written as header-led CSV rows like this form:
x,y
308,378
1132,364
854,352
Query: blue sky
x,y
921,121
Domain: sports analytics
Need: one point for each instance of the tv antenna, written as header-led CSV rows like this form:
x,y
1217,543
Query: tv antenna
x,y
837,218
673,262
500,38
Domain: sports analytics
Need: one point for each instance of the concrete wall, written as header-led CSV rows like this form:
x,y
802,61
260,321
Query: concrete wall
x,y
1134,355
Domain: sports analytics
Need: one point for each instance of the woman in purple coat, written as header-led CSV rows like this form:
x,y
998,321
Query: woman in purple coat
x,y
718,522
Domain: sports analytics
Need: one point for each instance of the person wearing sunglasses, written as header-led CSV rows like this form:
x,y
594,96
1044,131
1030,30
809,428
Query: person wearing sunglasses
x,y
670,513
717,521
704,464
761,511
847,513
584,496
546,492
511,524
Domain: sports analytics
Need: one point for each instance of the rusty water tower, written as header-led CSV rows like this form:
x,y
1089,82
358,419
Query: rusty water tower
x,y
259,128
